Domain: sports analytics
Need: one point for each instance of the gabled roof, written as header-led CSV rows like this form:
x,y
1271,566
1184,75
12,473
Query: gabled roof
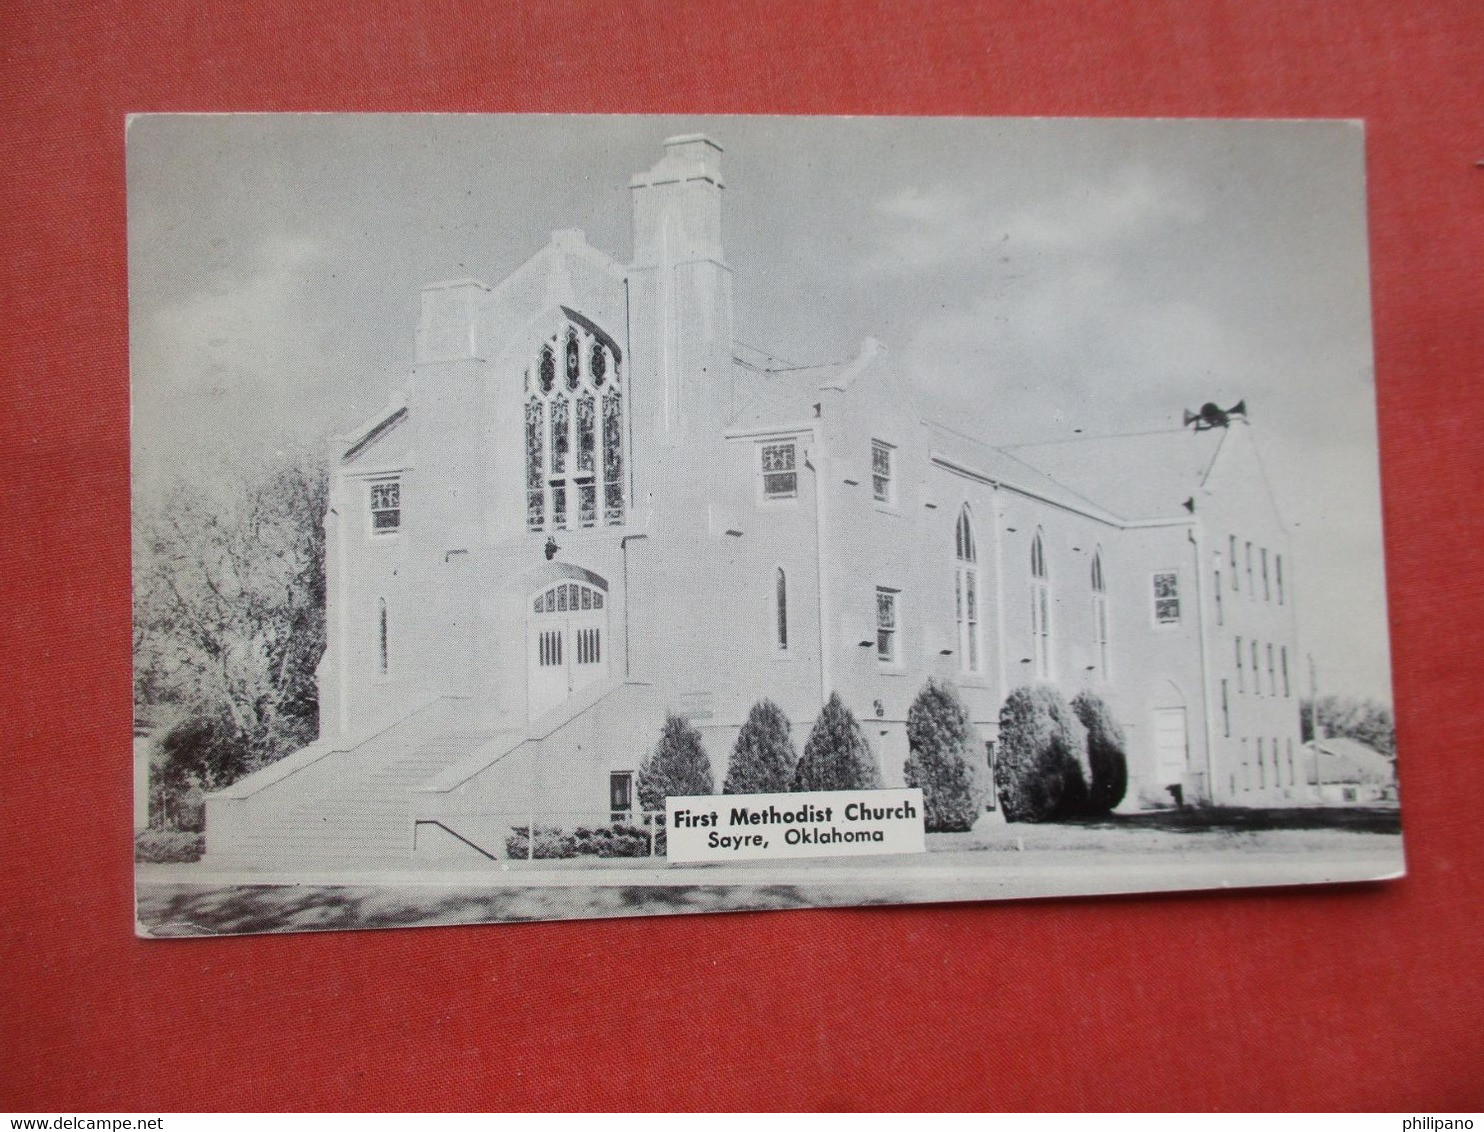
x,y
1146,475
1343,760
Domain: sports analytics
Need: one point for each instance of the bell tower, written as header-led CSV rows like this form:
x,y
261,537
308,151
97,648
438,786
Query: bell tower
x,y
680,296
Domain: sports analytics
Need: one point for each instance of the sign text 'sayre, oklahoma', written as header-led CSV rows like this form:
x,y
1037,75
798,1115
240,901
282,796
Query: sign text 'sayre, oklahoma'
x,y
839,823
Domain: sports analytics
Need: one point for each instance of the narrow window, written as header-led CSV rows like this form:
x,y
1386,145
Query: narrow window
x,y
1231,546
535,464
1277,766
1272,678
1256,671
1226,716
886,626
1292,775
1278,571
1262,766
386,507
966,592
1267,593
1220,612
381,634
1040,610
1246,767
1287,694
1241,679
620,796
1167,598
780,601
1099,614
881,477
778,464
1251,589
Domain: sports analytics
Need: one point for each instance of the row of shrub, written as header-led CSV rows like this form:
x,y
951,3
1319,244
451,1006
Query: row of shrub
x,y
155,846
1056,760
552,843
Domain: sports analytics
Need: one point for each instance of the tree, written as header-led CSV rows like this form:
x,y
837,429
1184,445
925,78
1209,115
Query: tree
x,y
1042,764
1106,758
942,745
836,756
229,617
1366,721
677,767
763,758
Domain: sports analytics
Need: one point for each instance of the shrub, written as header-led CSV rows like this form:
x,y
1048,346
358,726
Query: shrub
x,y
1042,771
941,763
551,844
168,846
597,841
677,767
1106,759
763,759
836,756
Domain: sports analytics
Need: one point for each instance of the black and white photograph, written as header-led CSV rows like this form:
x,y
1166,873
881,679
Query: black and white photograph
x,y
548,517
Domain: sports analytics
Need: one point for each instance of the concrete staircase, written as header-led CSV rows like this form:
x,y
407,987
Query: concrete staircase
x,y
352,808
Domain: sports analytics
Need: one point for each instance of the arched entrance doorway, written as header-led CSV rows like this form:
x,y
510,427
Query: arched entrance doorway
x,y
566,641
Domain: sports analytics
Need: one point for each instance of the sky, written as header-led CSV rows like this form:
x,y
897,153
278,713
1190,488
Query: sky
x,y
1031,276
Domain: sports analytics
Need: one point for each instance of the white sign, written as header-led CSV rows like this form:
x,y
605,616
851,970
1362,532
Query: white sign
x,y
835,823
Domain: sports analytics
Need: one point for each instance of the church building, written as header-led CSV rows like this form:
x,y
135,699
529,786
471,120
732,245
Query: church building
x,y
591,507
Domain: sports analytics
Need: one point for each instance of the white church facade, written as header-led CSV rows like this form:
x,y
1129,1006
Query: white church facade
x,y
590,508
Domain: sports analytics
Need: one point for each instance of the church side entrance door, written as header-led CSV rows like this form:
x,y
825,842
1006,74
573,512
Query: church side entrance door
x,y
566,643
1172,749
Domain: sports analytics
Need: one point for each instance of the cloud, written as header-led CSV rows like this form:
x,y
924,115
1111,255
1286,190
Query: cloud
x,y
926,229
240,364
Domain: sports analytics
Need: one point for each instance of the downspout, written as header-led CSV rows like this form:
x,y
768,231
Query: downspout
x,y
819,574
1193,534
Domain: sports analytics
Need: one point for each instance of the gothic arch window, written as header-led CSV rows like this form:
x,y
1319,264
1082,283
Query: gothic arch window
x,y
1040,611
1099,614
966,591
575,456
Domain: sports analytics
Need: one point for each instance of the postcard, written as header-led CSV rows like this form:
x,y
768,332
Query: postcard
x,y
545,517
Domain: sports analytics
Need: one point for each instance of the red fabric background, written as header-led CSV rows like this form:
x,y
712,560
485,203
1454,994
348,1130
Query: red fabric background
x,y
1366,997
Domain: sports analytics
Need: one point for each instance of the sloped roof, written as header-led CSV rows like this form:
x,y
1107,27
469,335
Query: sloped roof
x,y
1343,760
1003,466
780,398
1146,475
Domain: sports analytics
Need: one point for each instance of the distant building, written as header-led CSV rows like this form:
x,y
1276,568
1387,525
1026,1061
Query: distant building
x,y
592,507
1347,772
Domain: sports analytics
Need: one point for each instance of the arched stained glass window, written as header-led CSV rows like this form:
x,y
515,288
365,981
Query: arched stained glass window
x,y
574,432
546,369
1040,611
1099,614
966,592
964,536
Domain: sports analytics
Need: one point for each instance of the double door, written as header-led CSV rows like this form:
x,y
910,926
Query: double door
x,y
566,643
